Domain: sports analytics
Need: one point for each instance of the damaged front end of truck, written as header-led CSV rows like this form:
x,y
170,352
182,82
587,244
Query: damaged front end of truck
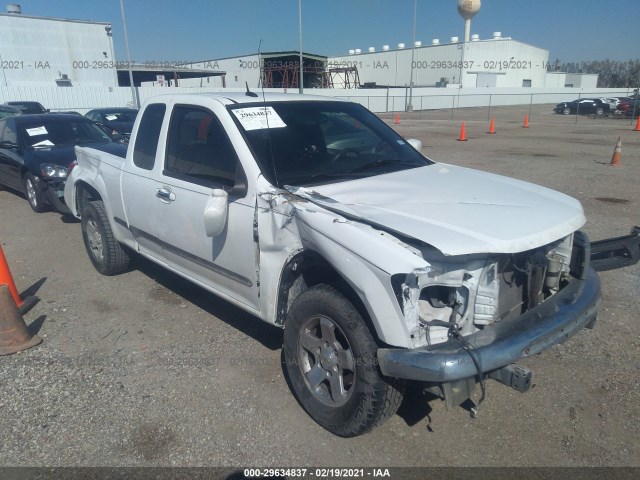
x,y
469,317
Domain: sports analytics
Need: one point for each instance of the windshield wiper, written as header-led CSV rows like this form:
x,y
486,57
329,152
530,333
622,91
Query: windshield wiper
x,y
322,176
354,172
79,142
381,163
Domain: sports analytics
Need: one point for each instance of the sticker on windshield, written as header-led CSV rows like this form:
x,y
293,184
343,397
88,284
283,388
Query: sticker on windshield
x,y
36,131
43,143
111,118
257,118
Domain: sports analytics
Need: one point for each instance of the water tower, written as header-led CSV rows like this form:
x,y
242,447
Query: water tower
x,y
467,9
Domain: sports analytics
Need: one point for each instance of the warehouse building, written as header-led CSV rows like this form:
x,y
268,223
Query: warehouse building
x,y
268,69
494,62
54,51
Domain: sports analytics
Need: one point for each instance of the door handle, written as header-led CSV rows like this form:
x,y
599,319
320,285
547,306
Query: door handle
x,y
165,194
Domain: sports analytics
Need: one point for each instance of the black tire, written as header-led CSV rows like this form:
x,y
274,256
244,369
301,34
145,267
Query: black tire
x,y
34,196
566,111
599,111
106,254
363,397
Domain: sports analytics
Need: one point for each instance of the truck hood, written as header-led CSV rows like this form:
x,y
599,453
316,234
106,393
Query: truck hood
x,y
456,210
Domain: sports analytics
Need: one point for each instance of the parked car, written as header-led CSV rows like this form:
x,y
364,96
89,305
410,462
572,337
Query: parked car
x,y
613,103
116,122
628,106
9,111
35,151
28,108
583,106
380,264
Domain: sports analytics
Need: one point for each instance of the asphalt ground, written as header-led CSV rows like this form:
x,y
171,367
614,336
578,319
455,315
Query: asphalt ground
x,y
146,369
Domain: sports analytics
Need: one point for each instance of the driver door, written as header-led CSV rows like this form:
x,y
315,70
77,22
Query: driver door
x,y
199,160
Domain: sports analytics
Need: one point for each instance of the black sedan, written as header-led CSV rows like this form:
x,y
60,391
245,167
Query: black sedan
x,y
116,122
583,106
36,150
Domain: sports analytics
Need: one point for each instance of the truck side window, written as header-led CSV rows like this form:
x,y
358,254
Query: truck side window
x,y
144,152
199,149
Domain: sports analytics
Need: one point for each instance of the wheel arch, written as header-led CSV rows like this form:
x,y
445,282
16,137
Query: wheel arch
x,y
308,268
85,193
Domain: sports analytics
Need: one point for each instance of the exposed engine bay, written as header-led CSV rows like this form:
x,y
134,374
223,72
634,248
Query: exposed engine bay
x,y
469,292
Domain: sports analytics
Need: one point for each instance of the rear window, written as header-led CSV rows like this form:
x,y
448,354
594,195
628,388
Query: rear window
x,y
30,108
48,133
146,146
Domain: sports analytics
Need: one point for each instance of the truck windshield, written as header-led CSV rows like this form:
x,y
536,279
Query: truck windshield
x,y
311,142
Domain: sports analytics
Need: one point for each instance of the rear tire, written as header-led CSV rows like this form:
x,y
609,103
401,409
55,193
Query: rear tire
x,y
35,197
106,254
599,111
331,361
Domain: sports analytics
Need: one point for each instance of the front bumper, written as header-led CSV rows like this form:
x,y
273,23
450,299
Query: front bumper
x,y
502,343
53,191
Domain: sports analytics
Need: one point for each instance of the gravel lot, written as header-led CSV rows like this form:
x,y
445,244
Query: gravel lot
x,y
145,369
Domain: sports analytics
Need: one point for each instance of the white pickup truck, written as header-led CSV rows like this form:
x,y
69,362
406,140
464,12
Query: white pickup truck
x,y
381,265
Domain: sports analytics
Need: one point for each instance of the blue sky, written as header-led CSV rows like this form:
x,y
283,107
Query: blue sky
x,y
163,30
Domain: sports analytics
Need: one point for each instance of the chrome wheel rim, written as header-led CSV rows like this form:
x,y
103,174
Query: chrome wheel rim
x,y
95,240
31,193
326,361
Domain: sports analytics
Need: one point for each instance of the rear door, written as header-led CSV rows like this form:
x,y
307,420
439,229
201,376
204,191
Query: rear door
x,y
142,205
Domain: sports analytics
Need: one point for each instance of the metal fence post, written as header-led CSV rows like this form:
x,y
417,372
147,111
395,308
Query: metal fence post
x,y
387,106
530,104
489,113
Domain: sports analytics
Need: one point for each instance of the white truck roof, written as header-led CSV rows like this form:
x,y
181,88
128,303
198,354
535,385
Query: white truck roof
x,y
242,98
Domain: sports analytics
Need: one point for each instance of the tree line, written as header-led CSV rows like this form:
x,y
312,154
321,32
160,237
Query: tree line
x,y
611,73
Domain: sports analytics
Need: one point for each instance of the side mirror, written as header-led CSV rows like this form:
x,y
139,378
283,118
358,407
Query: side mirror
x,y
415,143
215,212
8,145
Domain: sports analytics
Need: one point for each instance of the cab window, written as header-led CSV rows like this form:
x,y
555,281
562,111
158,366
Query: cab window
x,y
198,148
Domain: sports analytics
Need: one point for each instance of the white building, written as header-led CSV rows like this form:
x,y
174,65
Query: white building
x,y
54,51
495,62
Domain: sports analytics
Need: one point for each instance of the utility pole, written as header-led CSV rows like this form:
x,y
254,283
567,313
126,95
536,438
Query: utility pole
x,y
301,88
413,50
134,94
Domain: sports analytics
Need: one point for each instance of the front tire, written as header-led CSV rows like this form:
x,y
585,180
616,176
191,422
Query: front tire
x,y
35,197
599,111
566,111
331,361
106,254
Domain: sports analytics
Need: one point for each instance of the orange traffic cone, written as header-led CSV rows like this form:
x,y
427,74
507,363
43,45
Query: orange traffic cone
x,y
463,134
6,279
398,119
492,126
526,122
637,129
617,154
14,334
